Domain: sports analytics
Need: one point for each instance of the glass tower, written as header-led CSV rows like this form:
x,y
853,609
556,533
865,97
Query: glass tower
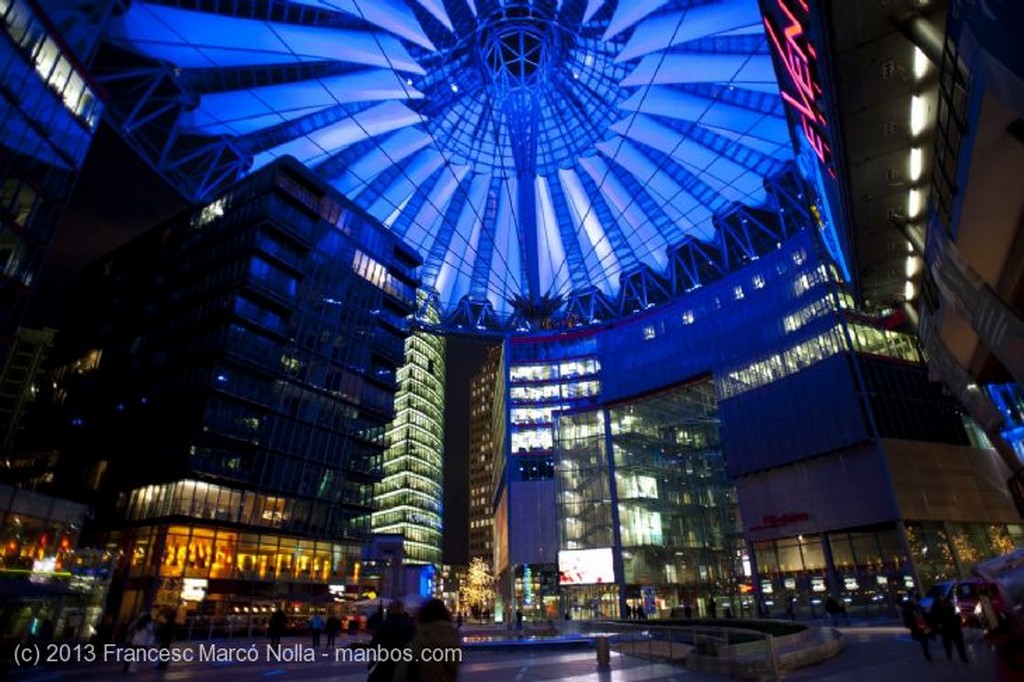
x,y
408,499
48,114
233,419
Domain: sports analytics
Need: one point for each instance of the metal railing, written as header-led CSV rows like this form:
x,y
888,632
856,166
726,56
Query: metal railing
x,y
740,653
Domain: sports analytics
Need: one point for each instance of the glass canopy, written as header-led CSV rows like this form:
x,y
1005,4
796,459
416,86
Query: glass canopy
x,y
527,149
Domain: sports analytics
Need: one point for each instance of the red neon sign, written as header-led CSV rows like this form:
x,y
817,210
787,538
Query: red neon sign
x,y
798,57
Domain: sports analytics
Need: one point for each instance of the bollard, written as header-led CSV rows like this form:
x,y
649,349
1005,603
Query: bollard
x,y
603,653
773,657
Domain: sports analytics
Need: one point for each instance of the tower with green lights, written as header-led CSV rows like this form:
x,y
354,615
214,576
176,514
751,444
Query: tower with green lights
x,y
408,498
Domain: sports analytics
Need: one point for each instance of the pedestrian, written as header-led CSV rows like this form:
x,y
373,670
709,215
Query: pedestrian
x,y
140,636
791,608
276,626
165,637
458,621
332,629
393,634
947,619
687,611
833,610
915,621
711,607
376,619
316,628
434,632
519,619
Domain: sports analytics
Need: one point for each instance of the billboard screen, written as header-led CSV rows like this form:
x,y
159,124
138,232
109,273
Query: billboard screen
x,y
585,566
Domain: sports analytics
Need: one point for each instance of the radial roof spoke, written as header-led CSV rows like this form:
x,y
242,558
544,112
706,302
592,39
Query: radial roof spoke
x,y
675,28
392,15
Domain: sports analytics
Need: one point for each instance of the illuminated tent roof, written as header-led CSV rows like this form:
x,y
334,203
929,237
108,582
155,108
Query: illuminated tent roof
x,y
526,149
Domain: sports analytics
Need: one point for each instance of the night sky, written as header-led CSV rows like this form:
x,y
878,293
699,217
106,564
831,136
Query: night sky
x,y
118,196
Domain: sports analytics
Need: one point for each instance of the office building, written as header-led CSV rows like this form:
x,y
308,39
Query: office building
x,y
486,436
407,501
225,390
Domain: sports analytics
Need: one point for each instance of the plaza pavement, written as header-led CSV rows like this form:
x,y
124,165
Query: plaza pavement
x,y
874,653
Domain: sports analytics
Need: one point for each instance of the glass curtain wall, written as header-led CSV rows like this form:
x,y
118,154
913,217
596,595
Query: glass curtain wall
x,y
662,501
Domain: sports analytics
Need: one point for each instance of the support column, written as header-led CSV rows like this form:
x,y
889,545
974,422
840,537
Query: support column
x,y
617,563
921,33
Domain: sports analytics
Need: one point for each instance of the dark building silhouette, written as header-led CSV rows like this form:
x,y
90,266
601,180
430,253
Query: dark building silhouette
x,y
224,388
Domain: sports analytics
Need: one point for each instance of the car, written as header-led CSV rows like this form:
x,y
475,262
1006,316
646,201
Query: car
x,y
965,595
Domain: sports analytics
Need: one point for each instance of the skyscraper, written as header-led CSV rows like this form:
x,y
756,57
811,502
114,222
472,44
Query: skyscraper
x,y
243,370
408,499
486,434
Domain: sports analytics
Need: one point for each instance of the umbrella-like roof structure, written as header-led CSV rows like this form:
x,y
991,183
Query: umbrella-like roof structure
x,y
532,151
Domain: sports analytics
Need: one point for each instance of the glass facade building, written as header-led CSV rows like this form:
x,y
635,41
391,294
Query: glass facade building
x,y
647,478
49,110
764,351
229,380
408,499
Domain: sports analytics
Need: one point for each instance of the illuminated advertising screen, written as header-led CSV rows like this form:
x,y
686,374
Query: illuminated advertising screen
x,y
585,566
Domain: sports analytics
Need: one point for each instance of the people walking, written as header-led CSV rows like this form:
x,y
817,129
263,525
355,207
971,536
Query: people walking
x,y
947,619
392,634
276,626
711,607
915,621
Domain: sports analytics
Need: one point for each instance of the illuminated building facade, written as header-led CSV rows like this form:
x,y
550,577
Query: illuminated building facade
x,y
486,436
408,499
887,447
49,111
647,477
246,357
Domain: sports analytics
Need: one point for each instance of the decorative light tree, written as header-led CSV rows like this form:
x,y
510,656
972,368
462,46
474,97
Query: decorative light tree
x,y
477,591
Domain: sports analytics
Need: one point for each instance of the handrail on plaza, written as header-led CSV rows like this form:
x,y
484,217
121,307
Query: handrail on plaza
x,y
736,651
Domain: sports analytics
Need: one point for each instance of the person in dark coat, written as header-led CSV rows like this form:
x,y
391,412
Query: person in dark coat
x,y
915,621
165,635
833,609
276,626
394,632
434,631
332,629
947,619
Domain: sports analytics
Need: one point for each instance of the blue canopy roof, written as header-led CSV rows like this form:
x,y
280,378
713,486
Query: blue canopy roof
x,y
526,149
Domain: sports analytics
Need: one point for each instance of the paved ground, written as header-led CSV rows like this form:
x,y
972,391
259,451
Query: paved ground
x,y
874,653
